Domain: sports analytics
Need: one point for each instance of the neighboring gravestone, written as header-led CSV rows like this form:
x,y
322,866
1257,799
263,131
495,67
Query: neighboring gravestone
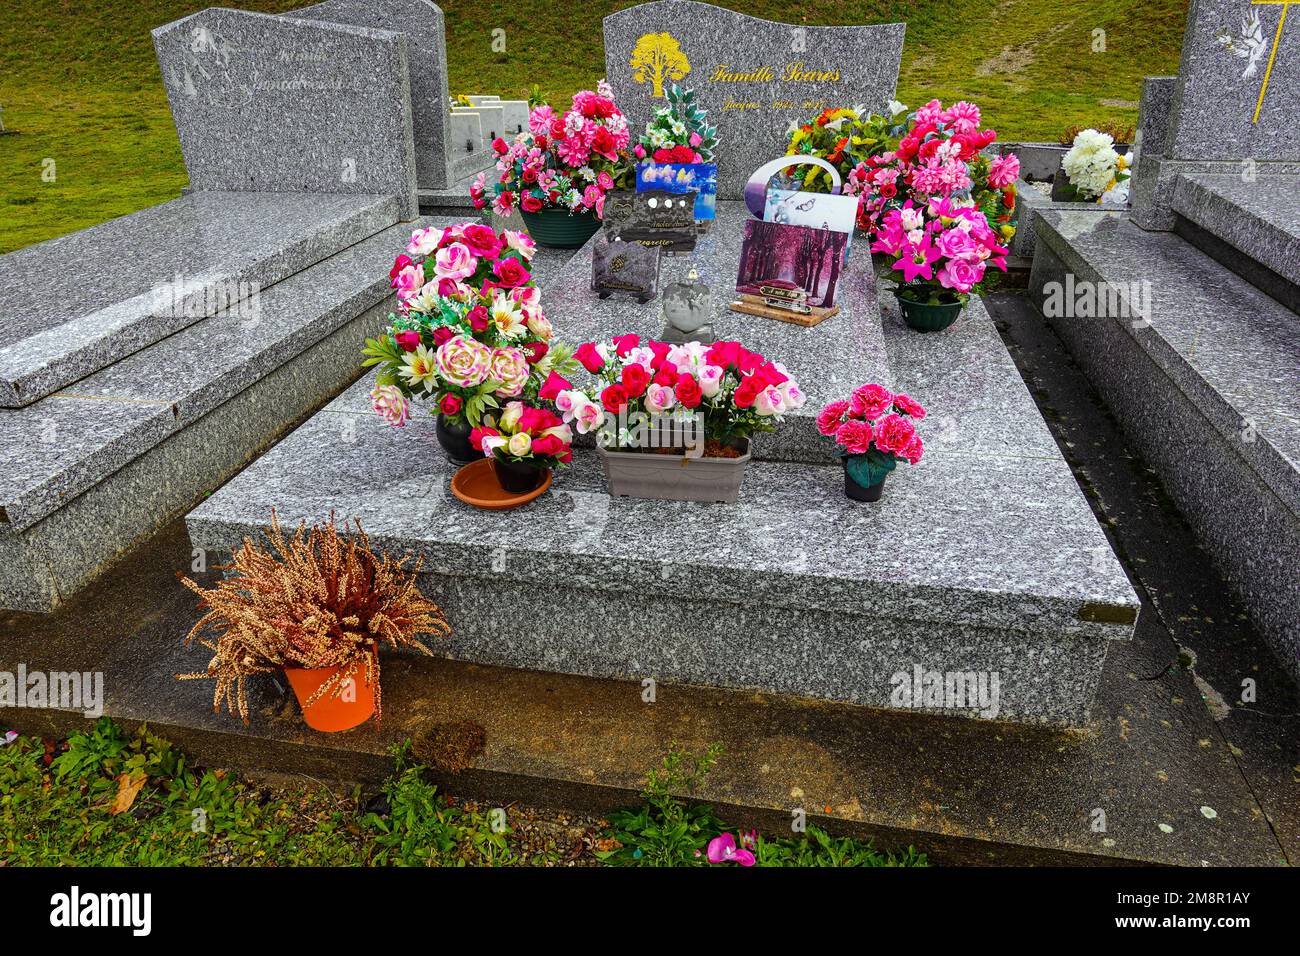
x,y
267,103
1239,83
426,48
755,78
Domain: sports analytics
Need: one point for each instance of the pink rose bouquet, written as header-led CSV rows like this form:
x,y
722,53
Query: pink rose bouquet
x,y
469,331
874,431
729,391
524,434
564,160
941,248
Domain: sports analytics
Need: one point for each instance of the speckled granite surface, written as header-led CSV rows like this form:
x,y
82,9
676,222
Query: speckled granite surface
x,y
1260,217
1030,202
65,443
426,50
754,77
237,81
1207,393
53,331
1221,109
828,360
986,557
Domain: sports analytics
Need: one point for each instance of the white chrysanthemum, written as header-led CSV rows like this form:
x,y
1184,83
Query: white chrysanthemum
x,y
1091,163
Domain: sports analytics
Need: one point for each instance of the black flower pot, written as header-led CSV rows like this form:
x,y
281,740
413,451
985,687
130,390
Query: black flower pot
x,y
858,493
454,439
517,478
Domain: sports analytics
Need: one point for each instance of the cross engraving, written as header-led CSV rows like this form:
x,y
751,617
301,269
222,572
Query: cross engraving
x,y
1277,39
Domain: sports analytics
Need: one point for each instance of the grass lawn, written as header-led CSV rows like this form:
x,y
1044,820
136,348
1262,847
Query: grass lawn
x,y
79,83
107,798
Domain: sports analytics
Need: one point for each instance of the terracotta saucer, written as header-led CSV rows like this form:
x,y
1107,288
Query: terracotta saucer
x,y
476,484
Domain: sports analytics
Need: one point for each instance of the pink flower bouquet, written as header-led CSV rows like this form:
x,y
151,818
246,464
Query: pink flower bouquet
x,y
939,155
874,431
469,331
723,388
941,248
524,433
564,160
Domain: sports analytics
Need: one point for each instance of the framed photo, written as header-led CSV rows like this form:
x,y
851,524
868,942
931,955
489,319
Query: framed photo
x,y
798,263
818,210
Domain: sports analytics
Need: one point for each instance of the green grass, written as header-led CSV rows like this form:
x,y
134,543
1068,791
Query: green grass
x,y
106,798
80,85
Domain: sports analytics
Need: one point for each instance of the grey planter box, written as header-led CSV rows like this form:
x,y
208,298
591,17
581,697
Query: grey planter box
x,y
673,477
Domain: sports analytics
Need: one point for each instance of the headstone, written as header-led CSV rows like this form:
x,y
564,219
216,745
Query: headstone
x,y
515,116
1239,83
469,149
238,84
754,78
1149,148
423,23
490,116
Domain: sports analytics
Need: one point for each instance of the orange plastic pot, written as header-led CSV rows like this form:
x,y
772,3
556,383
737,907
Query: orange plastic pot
x,y
331,713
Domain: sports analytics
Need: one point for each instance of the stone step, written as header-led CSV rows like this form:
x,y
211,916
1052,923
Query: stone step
x,y
1201,369
1251,226
101,464
157,271
984,558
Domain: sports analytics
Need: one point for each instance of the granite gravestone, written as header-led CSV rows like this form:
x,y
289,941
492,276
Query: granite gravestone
x,y
426,48
754,77
1239,83
268,103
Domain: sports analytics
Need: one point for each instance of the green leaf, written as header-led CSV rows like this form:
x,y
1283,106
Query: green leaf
x,y
869,469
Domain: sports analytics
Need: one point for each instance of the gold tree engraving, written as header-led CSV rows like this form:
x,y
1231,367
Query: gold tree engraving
x,y
658,57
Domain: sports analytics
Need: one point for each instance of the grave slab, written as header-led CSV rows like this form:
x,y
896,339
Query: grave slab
x,y
236,82
157,271
828,360
1204,384
823,598
754,77
423,23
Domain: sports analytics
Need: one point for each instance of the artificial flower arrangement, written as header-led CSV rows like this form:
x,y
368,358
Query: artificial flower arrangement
x,y
939,154
564,162
943,250
525,442
469,332
315,606
888,159
679,132
874,431
658,408
1095,171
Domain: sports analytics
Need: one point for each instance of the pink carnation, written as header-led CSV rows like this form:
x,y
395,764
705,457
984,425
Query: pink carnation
x,y
894,434
855,436
828,422
909,406
870,401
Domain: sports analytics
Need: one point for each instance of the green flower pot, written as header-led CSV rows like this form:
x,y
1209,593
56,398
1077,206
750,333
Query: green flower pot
x,y
558,228
929,317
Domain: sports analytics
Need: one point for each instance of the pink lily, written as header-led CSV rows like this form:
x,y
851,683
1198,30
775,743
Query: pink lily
x,y
918,261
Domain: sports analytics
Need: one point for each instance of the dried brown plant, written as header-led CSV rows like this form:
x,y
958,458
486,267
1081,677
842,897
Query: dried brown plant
x,y
317,600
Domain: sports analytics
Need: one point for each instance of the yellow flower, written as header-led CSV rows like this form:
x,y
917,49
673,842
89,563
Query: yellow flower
x,y
418,368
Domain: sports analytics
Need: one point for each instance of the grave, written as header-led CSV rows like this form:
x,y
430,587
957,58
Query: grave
x,y
1183,312
795,589
215,320
753,77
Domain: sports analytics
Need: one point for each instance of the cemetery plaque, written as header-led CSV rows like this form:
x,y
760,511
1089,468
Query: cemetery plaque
x,y
625,267
660,218
755,78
